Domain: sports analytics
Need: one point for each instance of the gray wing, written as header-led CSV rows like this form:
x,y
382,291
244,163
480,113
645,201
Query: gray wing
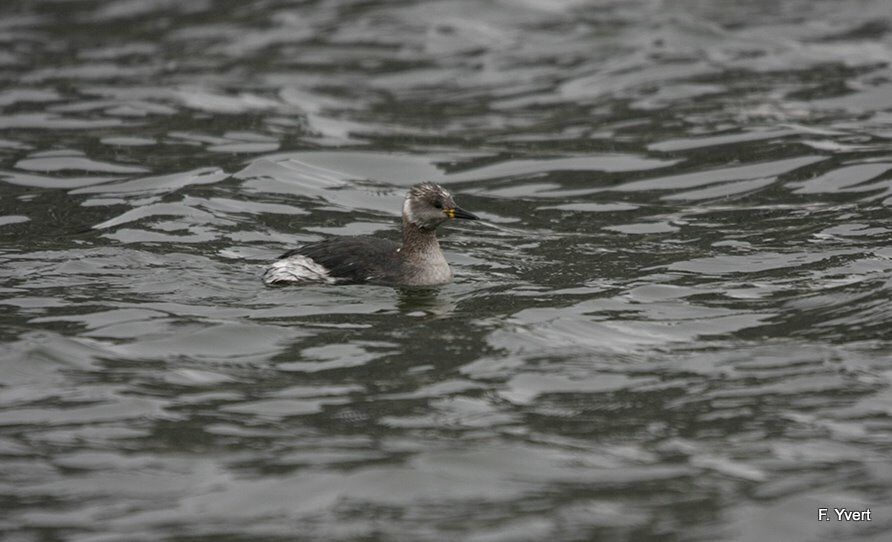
x,y
354,259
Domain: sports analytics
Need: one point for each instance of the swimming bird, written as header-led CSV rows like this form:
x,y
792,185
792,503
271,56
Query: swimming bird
x,y
417,261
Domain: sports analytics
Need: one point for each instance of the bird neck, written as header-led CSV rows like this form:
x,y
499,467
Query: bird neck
x,y
420,241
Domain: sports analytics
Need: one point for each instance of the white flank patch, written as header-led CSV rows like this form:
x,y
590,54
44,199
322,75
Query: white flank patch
x,y
296,269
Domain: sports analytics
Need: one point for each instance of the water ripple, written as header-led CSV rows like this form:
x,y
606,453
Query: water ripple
x,y
671,323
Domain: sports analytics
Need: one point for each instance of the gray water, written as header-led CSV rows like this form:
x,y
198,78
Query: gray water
x,y
673,322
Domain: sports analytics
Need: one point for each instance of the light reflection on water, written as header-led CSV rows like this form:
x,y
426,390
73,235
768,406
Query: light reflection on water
x,y
671,324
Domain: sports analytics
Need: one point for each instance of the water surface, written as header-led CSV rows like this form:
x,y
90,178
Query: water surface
x,y
672,323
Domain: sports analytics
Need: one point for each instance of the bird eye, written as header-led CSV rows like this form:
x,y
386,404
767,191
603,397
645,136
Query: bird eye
x,y
438,205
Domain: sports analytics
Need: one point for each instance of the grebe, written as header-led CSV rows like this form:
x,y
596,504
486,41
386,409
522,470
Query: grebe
x,y
417,261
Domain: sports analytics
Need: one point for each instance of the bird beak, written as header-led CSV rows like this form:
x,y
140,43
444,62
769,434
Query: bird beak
x,y
458,212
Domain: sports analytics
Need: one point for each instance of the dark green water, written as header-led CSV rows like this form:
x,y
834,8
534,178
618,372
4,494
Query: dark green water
x,y
673,323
